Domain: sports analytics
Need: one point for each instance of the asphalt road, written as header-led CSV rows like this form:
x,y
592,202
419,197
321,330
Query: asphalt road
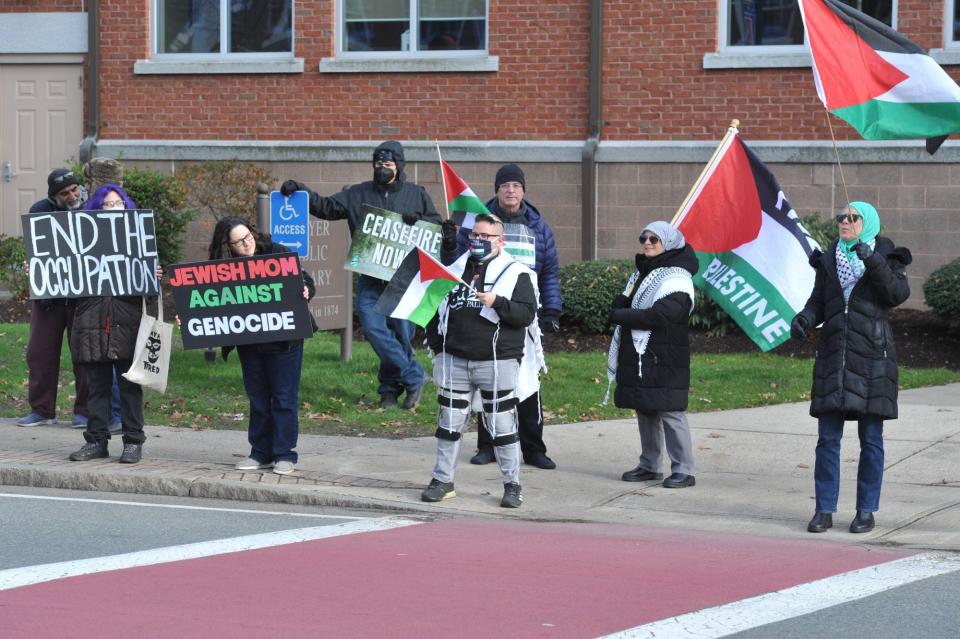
x,y
203,568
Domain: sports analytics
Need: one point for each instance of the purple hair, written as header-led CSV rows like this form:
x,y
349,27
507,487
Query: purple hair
x,y
95,203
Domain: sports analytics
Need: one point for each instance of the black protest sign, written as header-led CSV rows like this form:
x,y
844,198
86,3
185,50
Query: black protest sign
x,y
243,300
91,253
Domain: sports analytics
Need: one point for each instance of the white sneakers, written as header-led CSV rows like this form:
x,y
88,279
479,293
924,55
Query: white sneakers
x,y
252,464
283,467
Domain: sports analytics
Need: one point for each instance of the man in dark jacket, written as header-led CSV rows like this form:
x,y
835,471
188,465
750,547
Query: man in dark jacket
x,y
478,336
530,242
48,320
389,337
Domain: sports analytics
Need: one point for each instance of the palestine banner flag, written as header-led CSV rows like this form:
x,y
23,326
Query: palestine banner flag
x,y
875,79
415,291
462,203
753,251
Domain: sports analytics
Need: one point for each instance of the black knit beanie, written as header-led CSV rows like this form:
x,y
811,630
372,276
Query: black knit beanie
x,y
509,173
59,179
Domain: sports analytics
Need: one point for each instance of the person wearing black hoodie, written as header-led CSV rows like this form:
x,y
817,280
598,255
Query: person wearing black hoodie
x,y
650,353
389,337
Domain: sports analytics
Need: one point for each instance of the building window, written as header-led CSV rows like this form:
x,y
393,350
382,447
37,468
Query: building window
x,y
953,22
209,29
751,23
388,27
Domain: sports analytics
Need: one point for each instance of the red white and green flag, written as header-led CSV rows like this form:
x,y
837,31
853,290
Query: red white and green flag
x,y
753,250
875,79
463,205
418,286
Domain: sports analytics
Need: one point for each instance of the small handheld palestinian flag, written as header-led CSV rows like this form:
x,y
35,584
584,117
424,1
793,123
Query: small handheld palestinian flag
x,y
875,79
416,289
462,203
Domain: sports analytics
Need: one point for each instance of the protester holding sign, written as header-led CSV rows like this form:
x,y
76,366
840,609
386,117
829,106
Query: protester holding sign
x,y
271,371
103,340
390,338
48,320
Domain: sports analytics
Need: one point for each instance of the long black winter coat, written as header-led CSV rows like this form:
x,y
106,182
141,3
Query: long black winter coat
x,y
665,385
399,196
855,372
105,328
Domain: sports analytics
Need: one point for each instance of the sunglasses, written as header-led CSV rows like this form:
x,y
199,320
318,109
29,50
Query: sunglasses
x,y
652,239
852,218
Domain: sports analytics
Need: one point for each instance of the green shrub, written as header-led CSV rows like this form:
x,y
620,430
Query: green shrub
x,y
223,188
164,194
824,231
588,289
13,276
941,292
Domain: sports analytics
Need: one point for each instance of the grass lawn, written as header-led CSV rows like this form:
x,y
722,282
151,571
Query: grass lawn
x,y
339,397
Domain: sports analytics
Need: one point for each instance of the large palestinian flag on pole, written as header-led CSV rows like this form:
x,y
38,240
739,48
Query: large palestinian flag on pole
x,y
418,286
462,203
875,79
753,251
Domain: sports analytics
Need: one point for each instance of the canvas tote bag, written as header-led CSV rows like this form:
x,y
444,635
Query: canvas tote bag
x,y
151,355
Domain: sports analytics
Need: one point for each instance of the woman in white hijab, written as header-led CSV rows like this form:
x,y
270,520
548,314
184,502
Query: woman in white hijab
x,y
650,353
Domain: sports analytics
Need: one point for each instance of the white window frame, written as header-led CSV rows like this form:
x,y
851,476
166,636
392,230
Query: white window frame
x,y
222,62
413,60
761,56
950,52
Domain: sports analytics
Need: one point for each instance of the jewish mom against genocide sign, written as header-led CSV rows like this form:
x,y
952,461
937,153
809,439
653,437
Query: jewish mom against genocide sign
x,y
382,240
90,253
244,300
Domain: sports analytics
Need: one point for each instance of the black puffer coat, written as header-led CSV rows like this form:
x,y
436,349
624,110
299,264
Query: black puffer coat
x,y
105,328
855,372
665,385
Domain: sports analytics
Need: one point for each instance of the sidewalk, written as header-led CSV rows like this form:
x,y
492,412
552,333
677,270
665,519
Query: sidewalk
x,y
755,473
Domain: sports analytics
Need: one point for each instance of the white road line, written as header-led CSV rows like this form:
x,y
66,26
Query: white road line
x,y
28,575
149,505
781,605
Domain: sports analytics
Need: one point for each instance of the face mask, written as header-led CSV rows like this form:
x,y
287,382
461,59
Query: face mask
x,y
382,175
481,250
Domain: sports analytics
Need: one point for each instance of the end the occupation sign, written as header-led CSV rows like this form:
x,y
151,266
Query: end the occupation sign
x,y
91,253
244,300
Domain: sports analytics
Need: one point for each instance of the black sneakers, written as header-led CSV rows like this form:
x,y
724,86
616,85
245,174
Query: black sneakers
x,y
413,397
484,456
438,491
91,450
388,400
679,480
511,495
131,453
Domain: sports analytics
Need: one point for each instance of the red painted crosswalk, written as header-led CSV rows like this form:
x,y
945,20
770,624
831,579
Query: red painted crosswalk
x,y
453,578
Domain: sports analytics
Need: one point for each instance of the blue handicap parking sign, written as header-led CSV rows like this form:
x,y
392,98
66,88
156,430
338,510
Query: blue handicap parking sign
x,y
290,221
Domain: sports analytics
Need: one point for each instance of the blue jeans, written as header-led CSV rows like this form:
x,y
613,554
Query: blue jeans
x,y
272,382
390,339
826,474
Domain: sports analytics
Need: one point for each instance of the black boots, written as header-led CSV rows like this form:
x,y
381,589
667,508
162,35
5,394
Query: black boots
x,y
862,523
820,522
91,450
641,474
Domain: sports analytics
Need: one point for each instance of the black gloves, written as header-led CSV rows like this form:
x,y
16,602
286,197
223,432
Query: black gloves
x,y
549,321
621,301
449,242
799,326
290,186
410,218
863,250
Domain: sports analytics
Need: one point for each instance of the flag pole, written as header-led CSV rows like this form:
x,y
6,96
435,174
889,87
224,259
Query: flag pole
x,y
443,181
731,130
843,180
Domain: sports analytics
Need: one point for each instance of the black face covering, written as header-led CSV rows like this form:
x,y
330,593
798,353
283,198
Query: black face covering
x,y
383,175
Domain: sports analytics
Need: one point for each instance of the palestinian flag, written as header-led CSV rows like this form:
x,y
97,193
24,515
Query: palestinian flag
x,y
753,251
876,80
462,203
416,289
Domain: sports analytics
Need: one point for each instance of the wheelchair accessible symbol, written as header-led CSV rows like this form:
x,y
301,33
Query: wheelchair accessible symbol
x,y
290,221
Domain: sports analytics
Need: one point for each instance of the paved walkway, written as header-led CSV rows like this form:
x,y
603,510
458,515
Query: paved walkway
x,y
754,473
